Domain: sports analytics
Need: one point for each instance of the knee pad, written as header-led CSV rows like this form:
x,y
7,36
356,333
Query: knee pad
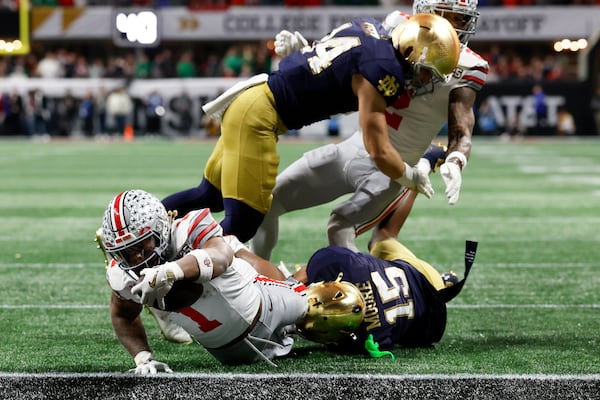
x,y
240,220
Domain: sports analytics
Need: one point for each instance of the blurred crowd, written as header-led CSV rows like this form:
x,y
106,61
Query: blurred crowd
x,y
224,60
507,62
33,114
511,62
221,4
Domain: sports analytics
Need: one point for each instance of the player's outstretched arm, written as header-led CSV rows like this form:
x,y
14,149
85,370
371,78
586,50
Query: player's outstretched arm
x,y
372,120
129,329
199,265
461,120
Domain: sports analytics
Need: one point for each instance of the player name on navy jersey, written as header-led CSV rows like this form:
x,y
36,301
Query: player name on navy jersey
x,y
315,83
402,307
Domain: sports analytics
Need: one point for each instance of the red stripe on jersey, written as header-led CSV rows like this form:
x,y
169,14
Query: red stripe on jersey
x,y
474,79
196,221
299,287
388,210
204,232
485,70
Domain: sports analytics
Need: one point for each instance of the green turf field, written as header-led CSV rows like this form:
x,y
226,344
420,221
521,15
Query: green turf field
x,y
531,305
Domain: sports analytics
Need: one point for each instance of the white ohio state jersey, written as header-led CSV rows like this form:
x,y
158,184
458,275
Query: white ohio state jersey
x,y
413,122
228,304
227,307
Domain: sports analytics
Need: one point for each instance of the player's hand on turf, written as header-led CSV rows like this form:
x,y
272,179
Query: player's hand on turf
x,y
156,282
416,179
451,172
287,42
146,365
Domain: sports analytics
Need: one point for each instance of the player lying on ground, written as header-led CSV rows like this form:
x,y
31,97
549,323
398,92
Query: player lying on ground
x,y
405,297
232,308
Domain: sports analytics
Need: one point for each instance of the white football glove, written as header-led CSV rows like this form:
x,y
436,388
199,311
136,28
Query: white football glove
x,y
287,42
424,167
146,365
393,19
416,179
156,283
452,176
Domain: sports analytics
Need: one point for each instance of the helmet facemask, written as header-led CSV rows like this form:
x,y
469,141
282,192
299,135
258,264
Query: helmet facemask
x,y
416,87
427,42
462,14
150,258
136,223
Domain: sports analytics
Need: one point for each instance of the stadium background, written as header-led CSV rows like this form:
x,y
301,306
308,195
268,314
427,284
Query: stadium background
x,y
210,32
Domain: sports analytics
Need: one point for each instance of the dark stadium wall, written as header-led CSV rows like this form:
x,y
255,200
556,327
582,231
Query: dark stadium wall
x,y
514,99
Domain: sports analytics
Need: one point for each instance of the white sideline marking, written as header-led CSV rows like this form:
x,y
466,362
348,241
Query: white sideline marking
x,y
234,376
462,306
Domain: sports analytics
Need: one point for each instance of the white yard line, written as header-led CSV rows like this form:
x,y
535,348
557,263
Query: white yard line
x,y
320,376
461,306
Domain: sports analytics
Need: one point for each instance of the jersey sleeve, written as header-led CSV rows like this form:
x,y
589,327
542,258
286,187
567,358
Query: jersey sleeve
x,y
473,70
382,69
195,228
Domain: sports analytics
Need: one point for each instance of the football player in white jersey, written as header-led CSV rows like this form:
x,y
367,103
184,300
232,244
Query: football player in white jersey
x,y
187,268
414,120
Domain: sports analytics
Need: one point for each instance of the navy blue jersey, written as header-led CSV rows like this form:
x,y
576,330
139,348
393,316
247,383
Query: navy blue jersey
x,y
313,85
402,307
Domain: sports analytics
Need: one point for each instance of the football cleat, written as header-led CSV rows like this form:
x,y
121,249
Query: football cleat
x,y
449,278
436,155
335,311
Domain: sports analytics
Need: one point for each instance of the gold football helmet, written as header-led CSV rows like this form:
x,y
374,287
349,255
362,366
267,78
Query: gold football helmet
x,y
428,41
335,310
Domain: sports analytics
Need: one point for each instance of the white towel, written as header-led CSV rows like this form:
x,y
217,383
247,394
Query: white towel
x,y
217,107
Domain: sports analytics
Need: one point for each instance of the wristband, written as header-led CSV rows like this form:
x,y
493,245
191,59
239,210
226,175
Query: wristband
x,y
205,265
458,156
406,179
143,357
